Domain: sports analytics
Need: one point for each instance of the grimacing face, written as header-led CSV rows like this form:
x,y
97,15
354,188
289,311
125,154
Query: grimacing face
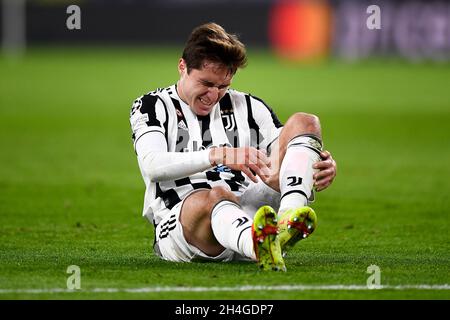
x,y
202,88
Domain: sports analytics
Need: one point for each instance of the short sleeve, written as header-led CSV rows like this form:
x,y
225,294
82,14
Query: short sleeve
x,y
147,115
265,121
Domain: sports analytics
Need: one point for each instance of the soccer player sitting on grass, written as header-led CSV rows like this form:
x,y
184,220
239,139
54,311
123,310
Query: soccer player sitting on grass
x,y
225,180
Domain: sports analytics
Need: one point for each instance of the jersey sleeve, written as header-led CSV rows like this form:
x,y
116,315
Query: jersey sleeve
x,y
264,122
149,127
148,116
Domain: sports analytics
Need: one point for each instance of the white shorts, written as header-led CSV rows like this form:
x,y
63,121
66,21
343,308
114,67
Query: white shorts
x,y
171,245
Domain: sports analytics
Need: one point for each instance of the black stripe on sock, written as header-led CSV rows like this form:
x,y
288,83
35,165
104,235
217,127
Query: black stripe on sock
x,y
237,243
292,191
309,135
306,146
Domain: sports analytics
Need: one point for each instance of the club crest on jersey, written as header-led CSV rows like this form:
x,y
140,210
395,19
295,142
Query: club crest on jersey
x,y
229,122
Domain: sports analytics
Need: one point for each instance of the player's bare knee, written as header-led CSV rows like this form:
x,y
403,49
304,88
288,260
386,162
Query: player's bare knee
x,y
214,196
218,194
304,119
303,123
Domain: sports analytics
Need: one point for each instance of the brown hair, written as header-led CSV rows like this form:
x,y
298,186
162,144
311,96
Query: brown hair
x,y
212,43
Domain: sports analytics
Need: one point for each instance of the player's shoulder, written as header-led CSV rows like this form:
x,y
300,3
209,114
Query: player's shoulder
x,y
257,105
236,94
152,97
150,100
250,98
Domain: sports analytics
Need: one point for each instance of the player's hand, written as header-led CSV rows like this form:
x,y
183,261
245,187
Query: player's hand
x,y
327,173
248,160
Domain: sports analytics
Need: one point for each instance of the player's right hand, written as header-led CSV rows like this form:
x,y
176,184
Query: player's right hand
x,y
248,160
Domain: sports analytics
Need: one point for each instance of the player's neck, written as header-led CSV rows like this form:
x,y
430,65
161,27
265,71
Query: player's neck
x,y
179,90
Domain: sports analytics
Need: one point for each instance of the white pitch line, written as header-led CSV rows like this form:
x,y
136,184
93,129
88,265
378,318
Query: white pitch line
x,y
237,288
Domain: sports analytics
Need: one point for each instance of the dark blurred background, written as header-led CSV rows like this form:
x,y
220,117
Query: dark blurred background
x,y
297,30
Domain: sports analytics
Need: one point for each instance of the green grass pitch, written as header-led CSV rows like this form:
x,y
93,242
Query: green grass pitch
x,y
71,192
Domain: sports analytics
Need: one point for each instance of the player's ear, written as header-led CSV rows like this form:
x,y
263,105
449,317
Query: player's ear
x,y
182,68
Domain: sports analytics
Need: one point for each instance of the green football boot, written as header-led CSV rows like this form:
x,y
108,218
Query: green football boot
x,y
265,240
295,225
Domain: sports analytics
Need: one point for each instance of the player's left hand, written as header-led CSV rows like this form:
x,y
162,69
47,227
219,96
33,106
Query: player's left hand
x,y
327,173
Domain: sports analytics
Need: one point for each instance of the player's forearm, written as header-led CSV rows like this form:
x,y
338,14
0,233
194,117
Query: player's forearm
x,y
217,156
163,166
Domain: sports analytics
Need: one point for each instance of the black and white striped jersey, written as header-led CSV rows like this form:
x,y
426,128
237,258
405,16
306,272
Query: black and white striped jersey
x,y
238,120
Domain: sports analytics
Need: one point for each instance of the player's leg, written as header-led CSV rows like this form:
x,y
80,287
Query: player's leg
x,y
212,220
293,155
196,218
257,195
